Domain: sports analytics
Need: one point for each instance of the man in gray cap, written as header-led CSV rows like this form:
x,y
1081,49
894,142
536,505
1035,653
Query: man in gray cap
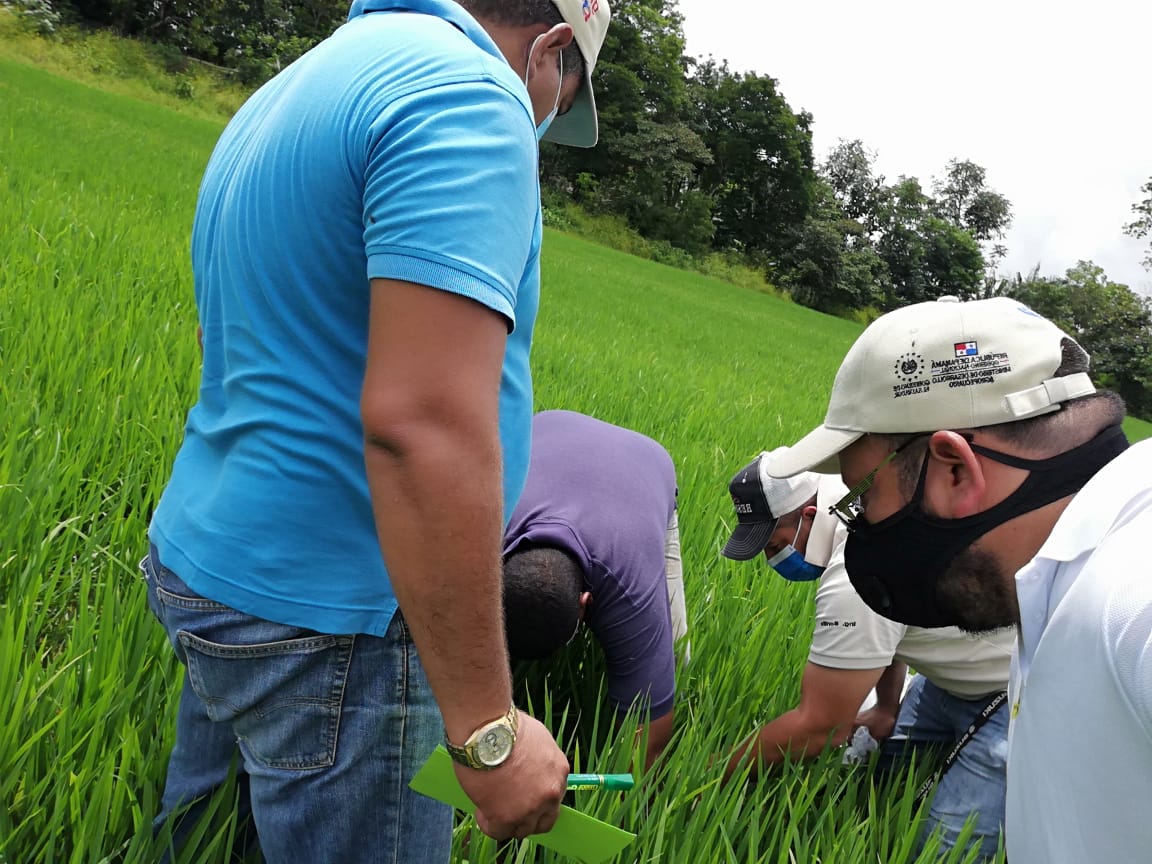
x,y
855,650
991,485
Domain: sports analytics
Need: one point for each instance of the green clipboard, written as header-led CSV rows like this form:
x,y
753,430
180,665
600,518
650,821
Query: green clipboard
x,y
575,834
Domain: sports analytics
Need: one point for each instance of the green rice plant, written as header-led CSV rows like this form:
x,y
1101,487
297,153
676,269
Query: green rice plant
x,y
99,361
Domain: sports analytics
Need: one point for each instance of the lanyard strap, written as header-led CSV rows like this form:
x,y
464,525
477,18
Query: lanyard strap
x,y
969,733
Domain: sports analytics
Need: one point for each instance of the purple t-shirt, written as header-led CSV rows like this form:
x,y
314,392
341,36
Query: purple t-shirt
x,y
605,494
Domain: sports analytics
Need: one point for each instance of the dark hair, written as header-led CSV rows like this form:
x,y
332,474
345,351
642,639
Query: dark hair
x,y
542,587
525,13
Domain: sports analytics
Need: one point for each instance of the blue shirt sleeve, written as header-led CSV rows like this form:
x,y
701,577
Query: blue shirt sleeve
x,y
452,191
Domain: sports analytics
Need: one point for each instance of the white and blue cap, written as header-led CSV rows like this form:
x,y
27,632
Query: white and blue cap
x,y
760,501
578,126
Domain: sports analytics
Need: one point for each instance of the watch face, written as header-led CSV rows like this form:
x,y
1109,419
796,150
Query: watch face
x,y
494,745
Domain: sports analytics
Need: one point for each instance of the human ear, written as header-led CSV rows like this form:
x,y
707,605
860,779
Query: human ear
x,y
547,45
956,482
585,600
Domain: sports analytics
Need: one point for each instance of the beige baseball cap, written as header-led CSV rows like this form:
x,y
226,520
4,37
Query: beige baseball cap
x,y
578,127
944,364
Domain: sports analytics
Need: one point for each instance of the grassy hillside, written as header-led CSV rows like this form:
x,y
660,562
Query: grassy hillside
x,y
100,365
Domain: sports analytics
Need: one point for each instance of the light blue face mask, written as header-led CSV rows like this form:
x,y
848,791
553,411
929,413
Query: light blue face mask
x,y
547,121
790,563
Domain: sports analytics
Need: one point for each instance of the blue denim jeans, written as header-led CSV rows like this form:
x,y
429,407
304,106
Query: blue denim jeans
x,y
328,730
931,719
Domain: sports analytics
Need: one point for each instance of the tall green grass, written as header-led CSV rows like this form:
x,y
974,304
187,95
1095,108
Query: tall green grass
x,y
99,362
153,73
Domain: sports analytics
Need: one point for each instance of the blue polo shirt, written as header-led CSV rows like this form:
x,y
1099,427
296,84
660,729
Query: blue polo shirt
x,y
401,147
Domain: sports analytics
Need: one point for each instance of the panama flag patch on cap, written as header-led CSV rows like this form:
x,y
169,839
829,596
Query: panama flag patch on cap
x,y
966,349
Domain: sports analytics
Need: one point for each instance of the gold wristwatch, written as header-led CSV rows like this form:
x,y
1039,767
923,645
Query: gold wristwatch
x,y
490,745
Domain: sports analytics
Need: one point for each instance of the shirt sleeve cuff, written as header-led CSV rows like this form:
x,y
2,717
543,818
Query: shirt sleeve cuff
x,y
443,276
853,662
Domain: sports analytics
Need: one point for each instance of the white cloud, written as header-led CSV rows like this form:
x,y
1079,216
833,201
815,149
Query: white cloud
x,y
1052,98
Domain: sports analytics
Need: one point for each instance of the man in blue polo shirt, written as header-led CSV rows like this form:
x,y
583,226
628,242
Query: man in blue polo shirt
x,y
595,537
366,262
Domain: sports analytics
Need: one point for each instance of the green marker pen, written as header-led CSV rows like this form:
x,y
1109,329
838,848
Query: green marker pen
x,y
616,782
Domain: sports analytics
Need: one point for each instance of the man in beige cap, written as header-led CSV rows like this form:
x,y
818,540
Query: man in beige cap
x,y
366,261
990,483
854,650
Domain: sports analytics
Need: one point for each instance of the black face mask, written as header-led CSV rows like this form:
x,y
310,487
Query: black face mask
x,y
896,565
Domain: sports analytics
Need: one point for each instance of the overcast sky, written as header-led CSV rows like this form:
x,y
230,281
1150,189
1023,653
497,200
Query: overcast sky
x,y
1053,99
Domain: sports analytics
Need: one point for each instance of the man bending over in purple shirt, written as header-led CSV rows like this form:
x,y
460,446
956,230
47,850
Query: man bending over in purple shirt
x,y
595,538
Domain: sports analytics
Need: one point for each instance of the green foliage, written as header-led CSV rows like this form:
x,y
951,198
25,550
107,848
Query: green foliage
x,y
964,200
100,366
1137,429
645,166
97,335
833,266
615,233
761,173
693,157
704,161
154,73
898,245
36,16
94,298
848,170
926,256
257,38
1112,323
1141,226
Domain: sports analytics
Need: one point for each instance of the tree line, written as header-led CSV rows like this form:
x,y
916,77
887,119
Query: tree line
x,y
708,159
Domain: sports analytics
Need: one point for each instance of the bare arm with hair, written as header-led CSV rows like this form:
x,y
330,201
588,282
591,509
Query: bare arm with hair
x,y
429,405
829,700
881,717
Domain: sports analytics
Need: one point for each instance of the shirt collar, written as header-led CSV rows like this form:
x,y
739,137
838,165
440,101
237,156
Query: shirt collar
x,y
1119,488
825,535
1096,508
451,12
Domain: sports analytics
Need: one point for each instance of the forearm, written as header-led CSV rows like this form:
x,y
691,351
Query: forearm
x,y
890,687
659,733
441,540
792,734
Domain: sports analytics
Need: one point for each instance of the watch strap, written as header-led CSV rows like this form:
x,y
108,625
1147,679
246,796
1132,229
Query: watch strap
x,y
465,753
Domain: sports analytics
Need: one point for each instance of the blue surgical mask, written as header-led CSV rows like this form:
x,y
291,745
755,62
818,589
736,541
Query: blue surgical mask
x,y
547,121
790,564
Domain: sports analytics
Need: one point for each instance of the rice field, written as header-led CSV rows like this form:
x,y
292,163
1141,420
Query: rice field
x,y
99,365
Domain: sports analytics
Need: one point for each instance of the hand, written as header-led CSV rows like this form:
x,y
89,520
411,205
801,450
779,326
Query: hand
x,y
879,721
523,795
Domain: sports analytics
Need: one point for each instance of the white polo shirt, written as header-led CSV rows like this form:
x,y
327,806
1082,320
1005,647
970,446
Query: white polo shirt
x,y
849,635
1080,742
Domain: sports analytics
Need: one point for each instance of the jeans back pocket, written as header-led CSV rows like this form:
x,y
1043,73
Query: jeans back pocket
x,y
281,698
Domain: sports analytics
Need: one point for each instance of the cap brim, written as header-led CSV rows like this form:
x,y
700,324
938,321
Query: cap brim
x,y
817,451
578,126
748,540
